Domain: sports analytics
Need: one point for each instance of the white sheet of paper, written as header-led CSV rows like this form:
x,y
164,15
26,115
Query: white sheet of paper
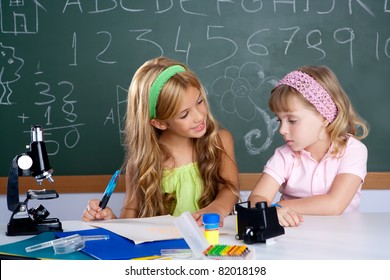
x,y
142,230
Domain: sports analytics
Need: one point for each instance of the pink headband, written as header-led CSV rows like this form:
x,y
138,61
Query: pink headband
x,y
313,92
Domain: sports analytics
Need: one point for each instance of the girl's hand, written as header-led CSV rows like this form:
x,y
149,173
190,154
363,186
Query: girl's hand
x,y
198,216
288,217
94,212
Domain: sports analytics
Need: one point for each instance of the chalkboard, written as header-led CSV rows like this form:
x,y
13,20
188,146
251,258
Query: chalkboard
x,y
67,65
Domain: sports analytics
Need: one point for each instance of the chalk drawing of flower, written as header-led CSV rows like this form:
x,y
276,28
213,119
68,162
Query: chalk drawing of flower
x,y
244,92
238,87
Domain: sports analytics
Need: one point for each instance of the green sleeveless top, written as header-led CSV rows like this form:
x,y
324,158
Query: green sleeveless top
x,y
186,184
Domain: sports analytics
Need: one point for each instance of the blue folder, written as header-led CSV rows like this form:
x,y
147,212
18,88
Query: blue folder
x,y
120,248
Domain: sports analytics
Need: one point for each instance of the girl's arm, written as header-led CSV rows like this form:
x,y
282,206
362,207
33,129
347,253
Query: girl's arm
x,y
226,199
130,206
341,193
352,170
265,190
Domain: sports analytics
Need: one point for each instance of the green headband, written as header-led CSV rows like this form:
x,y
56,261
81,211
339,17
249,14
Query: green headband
x,y
158,84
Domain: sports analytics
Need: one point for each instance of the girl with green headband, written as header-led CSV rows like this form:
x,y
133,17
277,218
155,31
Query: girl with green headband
x,y
177,157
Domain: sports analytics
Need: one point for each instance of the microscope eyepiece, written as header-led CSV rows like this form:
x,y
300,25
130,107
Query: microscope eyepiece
x,y
41,168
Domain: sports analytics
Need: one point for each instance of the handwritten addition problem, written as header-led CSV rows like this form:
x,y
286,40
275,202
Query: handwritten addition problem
x,y
228,52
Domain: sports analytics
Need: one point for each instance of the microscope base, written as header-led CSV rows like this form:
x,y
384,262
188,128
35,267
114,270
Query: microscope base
x,y
27,226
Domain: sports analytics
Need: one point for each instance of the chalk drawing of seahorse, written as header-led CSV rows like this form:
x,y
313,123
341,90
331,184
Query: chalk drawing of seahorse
x,y
9,68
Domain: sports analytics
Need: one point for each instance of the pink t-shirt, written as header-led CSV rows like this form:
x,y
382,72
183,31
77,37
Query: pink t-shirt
x,y
302,176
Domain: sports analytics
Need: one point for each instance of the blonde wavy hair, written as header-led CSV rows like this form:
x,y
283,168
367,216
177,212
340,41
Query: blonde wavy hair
x,y
145,156
347,121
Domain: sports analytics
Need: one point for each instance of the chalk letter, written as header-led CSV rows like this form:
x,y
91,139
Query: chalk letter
x,y
110,116
72,3
284,2
363,5
163,11
103,10
130,10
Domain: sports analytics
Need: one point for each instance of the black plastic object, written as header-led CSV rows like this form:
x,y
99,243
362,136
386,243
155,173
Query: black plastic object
x,y
256,225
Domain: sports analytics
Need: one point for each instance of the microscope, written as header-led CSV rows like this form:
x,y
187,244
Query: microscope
x,y
34,162
257,224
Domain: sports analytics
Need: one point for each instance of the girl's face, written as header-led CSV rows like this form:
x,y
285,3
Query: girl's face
x,y
190,122
302,128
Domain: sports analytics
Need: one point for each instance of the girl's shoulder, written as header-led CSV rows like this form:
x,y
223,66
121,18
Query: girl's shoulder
x,y
353,143
284,154
223,133
355,146
352,148
226,138
353,140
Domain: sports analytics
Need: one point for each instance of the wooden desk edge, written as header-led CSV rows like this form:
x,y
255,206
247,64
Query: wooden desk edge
x,y
98,183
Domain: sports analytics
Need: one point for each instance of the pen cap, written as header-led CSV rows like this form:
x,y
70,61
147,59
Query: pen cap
x,y
192,233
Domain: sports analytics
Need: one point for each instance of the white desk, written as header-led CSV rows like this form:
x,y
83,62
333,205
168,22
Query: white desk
x,y
349,236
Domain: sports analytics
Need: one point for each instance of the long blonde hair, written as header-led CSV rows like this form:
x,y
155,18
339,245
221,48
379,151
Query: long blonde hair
x,y
347,121
145,156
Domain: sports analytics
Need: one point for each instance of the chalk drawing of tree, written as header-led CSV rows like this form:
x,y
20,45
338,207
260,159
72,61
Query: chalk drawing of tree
x,y
9,68
244,92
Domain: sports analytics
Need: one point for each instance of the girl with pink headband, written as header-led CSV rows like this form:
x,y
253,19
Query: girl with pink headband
x,y
177,159
321,168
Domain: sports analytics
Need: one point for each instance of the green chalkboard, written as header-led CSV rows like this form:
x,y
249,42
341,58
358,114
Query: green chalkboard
x,y
66,65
